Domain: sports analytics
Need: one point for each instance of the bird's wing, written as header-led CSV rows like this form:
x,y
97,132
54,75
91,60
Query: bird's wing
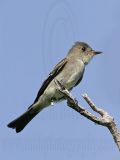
x,y
57,69
80,78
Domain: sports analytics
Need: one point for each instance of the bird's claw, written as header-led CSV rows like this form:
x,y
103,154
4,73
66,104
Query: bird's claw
x,y
72,103
76,101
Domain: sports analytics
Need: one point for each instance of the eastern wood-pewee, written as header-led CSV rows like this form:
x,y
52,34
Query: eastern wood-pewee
x,y
68,72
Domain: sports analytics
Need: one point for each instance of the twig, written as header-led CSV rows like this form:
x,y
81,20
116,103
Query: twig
x,y
105,119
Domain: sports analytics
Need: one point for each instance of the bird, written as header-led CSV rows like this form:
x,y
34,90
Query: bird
x,y
69,72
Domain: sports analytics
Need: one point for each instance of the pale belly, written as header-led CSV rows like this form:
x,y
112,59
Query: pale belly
x,y
68,77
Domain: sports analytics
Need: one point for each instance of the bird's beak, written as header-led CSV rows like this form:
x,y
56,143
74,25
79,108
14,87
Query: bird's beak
x,y
97,52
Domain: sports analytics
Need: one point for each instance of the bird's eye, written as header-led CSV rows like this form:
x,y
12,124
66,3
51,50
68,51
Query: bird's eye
x,y
83,49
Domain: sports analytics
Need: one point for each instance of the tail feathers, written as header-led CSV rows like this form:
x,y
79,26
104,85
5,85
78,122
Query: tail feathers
x,y
19,123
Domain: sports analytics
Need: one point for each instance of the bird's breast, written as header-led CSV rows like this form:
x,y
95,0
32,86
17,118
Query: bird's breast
x,y
72,73
69,76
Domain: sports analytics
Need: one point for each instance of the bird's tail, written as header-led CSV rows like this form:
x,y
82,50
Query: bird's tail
x,y
20,122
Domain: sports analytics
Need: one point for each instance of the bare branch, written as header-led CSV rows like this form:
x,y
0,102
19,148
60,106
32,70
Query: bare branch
x,y
92,105
105,119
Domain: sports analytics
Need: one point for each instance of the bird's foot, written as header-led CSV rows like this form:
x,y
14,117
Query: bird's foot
x,y
72,103
76,101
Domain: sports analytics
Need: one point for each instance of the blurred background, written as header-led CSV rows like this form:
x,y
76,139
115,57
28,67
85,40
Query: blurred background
x,y
34,36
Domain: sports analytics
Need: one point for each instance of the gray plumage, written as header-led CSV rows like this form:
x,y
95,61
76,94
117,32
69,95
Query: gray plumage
x,y
69,72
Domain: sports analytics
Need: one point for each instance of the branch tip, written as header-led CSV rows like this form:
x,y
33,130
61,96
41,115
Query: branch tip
x,y
105,120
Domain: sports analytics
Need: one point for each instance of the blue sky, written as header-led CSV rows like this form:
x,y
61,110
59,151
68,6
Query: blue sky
x,y
34,36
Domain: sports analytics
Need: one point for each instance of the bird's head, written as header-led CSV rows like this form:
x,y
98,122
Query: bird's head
x,y
83,51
